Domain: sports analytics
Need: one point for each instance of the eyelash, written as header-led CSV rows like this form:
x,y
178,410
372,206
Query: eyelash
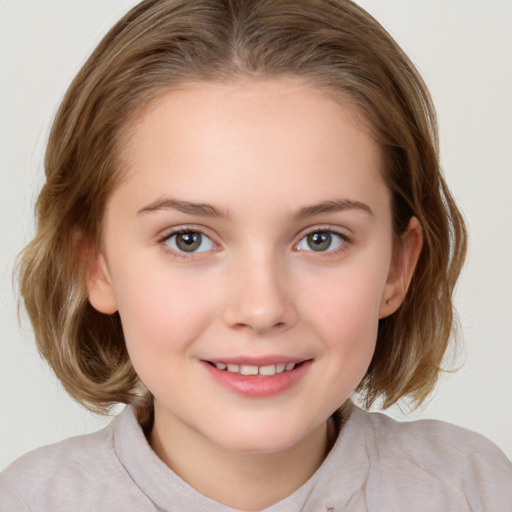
x,y
345,242
163,241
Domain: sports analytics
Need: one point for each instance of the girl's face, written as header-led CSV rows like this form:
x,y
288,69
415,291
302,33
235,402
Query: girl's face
x,y
248,250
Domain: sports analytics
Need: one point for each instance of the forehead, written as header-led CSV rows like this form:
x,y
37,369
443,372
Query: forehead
x,y
288,137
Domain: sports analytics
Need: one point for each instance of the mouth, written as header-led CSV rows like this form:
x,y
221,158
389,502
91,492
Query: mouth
x,y
267,370
258,378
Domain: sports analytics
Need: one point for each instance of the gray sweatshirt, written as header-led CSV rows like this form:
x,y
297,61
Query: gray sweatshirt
x,y
376,465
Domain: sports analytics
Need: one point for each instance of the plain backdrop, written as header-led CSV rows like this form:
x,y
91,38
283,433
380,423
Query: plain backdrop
x,y
462,47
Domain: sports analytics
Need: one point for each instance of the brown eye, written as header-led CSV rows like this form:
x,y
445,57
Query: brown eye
x,y
321,241
189,241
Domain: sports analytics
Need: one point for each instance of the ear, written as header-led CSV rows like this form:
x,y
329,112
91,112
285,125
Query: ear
x,y
403,263
99,284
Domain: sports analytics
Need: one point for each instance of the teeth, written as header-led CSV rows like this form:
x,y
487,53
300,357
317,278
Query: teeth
x,y
248,370
267,371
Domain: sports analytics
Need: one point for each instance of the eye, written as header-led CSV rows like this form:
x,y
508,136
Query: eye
x,y
321,241
189,242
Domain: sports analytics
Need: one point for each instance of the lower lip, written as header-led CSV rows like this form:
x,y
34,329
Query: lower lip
x,y
258,386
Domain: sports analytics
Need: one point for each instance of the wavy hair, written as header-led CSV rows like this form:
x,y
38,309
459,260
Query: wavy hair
x,y
159,44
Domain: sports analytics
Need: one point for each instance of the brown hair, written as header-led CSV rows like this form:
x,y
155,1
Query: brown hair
x,y
161,43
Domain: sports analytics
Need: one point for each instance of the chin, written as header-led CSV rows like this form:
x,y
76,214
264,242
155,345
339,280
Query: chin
x,y
266,438
259,445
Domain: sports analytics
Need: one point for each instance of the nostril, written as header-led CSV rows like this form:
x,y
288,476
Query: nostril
x,y
259,326
259,312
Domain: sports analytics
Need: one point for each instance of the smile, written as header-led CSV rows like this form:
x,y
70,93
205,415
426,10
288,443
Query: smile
x,y
265,371
253,380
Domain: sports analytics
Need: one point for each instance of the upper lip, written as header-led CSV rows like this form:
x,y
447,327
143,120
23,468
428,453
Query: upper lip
x,y
256,361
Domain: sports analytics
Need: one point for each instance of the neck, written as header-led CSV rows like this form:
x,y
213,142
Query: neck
x,y
245,481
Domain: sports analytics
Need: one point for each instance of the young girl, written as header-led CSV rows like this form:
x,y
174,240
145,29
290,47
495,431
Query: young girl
x,y
243,224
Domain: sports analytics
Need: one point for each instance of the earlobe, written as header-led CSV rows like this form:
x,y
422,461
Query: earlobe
x,y
99,285
405,258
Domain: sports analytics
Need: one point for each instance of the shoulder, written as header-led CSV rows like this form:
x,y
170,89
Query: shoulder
x,y
79,473
87,454
439,439
433,458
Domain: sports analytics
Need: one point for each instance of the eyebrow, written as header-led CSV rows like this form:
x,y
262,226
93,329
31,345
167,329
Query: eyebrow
x,y
207,210
202,209
332,207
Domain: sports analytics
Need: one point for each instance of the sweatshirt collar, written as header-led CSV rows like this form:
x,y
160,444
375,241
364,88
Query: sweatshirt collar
x,y
330,488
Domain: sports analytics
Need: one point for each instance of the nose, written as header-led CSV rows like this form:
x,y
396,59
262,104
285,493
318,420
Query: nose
x,y
260,297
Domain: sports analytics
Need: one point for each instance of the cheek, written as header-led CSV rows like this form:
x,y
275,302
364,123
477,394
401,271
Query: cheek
x,y
163,313
348,327
345,312
348,297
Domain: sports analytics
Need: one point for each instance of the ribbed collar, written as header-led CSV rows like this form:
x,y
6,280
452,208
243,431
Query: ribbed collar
x,y
333,487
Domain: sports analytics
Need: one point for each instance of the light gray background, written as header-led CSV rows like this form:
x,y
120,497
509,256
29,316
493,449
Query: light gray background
x,y
462,47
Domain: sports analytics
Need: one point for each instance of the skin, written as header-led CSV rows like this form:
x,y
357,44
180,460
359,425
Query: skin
x,y
260,154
